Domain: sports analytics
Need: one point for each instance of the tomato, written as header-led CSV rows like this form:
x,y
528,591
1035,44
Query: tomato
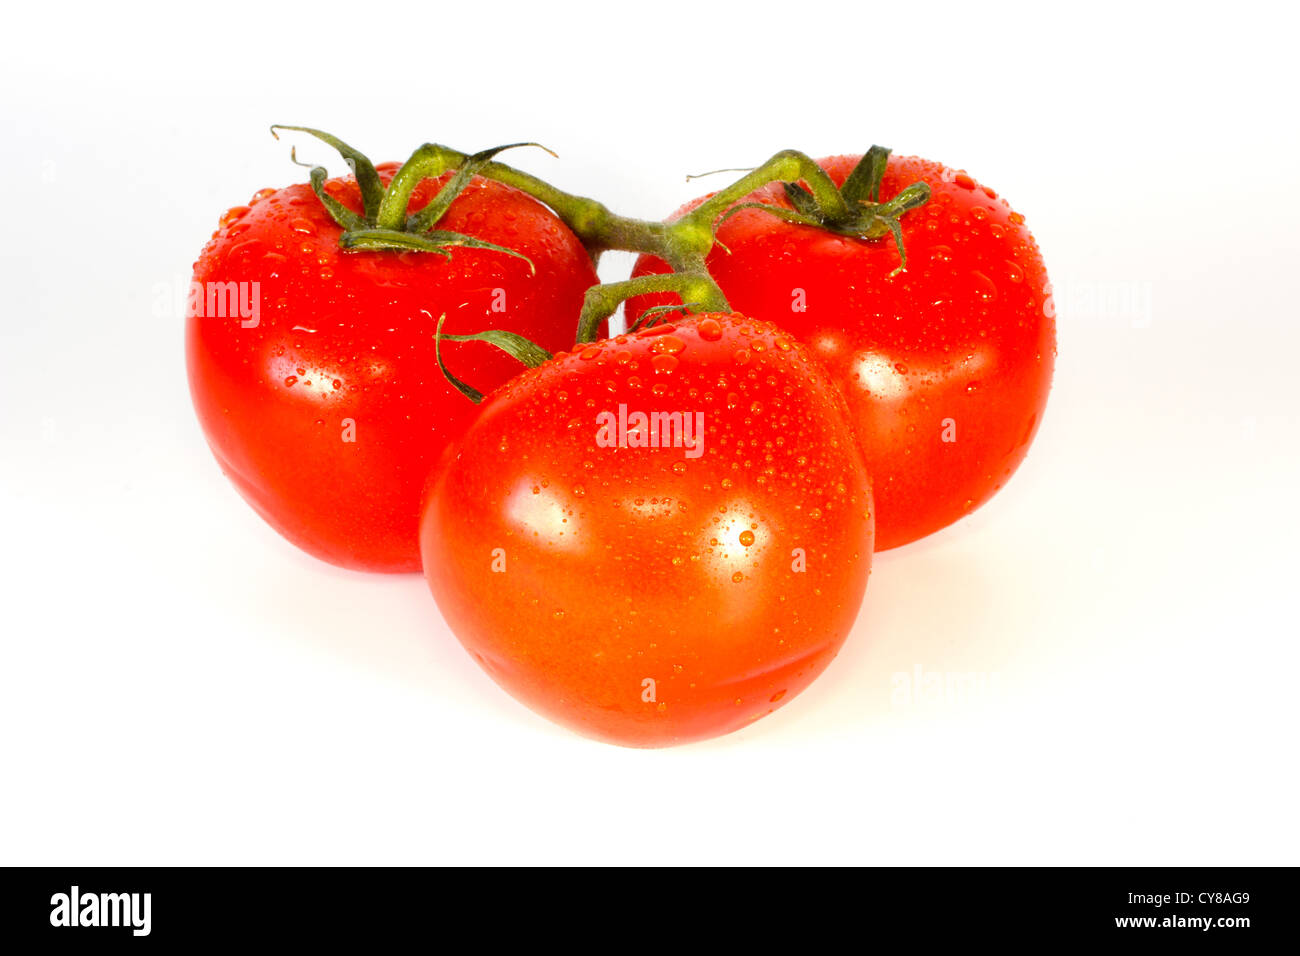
x,y
945,366
643,591
322,399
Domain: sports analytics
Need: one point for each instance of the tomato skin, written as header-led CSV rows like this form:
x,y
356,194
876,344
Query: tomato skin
x,y
574,572
946,367
344,340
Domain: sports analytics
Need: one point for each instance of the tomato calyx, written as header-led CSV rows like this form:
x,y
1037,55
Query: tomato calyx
x,y
860,214
384,223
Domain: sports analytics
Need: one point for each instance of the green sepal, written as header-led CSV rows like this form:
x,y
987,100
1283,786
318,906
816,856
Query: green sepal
x,y
789,215
344,216
372,188
864,181
656,314
428,217
516,346
803,201
366,237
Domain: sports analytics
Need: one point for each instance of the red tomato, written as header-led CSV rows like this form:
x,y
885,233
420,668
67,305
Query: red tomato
x,y
641,591
327,408
946,366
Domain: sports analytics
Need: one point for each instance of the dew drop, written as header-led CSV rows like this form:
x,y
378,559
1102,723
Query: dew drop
x,y
232,214
710,330
669,344
663,364
983,286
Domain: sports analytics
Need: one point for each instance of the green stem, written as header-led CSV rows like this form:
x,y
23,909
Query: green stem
x,y
787,166
684,244
695,286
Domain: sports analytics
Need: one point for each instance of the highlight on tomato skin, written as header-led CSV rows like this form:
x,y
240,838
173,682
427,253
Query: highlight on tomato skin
x,y
946,366
659,538
326,408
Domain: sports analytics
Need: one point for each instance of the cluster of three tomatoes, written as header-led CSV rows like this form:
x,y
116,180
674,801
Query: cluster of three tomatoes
x,y
654,538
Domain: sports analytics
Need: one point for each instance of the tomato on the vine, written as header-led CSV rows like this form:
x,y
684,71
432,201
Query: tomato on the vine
x,y
659,537
312,368
946,365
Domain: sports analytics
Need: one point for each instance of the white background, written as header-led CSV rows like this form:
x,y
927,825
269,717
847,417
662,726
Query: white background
x,y
179,685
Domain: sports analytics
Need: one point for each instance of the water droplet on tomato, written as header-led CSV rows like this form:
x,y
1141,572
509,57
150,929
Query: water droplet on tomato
x,y
737,578
291,381
669,344
983,286
710,330
664,364
232,214
747,538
